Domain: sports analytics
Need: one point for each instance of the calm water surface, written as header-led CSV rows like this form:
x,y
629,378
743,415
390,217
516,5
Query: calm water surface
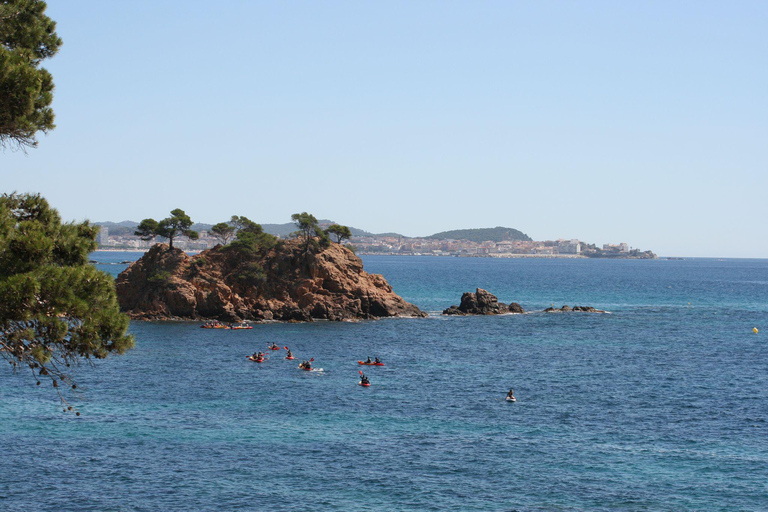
x,y
661,404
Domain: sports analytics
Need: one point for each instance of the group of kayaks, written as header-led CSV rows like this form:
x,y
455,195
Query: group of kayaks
x,y
219,325
260,357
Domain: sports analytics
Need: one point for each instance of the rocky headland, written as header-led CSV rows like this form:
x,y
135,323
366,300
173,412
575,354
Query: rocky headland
x,y
287,282
482,302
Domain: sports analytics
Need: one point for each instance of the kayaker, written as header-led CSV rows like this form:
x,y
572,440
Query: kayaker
x,y
511,393
364,379
368,361
289,353
376,360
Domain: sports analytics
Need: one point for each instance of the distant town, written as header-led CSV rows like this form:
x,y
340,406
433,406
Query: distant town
x,y
121,237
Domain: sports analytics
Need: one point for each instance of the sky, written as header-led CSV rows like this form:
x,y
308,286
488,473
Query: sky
x,y
637,122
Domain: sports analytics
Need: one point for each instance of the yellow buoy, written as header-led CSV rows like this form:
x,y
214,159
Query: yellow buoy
x,y
754,330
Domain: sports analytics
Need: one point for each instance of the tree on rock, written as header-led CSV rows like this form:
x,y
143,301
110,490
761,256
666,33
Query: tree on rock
x,y
340,232
308,229
178,224
250,237
55,307
27,37
224,232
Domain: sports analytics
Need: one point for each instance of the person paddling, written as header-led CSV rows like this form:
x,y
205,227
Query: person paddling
x,y
376,361
290,355
511,395
364,379
368,361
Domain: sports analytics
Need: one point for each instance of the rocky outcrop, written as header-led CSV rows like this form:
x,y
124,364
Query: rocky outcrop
x,y
568,309
482,302
286,283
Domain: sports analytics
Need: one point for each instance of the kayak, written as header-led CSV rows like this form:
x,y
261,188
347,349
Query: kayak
x,y
364,384
213,327
241,327
370,364
256,360
511,399
274,348
290,357
305,369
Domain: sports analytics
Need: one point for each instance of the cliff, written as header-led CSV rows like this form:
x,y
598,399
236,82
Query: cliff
x,y
285,282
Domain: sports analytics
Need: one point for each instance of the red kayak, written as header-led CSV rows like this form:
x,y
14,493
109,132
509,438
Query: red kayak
x,y
364,384
274,348
370,364
290,357
256,360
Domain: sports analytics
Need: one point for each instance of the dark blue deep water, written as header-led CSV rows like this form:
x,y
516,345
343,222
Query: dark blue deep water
x,y
660,405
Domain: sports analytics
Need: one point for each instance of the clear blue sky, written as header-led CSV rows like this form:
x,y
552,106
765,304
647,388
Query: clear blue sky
x,y
638,122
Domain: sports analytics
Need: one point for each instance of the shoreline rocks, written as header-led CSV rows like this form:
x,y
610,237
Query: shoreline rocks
x,y
482,302
574,309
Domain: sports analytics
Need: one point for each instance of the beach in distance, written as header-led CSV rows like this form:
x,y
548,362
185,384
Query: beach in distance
x,y
660,405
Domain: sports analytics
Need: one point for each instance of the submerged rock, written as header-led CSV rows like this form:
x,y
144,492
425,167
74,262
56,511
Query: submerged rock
x,y
286,283
482,302
568,309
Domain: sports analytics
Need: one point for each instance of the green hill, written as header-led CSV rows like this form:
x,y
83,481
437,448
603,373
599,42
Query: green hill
x,y
497,234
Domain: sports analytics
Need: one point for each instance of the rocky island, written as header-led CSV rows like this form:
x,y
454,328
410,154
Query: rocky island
x,y
482,302
287,281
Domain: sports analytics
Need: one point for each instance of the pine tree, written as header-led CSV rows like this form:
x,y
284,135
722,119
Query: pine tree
x,y
55,307
27,37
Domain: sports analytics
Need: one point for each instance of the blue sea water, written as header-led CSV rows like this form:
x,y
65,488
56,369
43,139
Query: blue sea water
x,y
660,405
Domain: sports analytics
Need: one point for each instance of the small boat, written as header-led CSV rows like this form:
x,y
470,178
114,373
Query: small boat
x,y
511,399
290,357
257,359
370,364
364,384
274,347
236,327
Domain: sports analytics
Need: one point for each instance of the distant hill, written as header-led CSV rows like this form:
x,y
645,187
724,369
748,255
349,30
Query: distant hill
x,y
497,234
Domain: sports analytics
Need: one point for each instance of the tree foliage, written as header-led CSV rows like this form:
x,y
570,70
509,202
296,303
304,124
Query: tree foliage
x,y
55,307
309,228
27,37
178,224
250,237
223,232
340,232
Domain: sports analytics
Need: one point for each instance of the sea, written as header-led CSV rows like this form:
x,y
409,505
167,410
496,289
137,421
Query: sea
x,y
660,404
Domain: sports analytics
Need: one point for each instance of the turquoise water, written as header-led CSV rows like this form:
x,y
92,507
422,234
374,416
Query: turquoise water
x,y
660,405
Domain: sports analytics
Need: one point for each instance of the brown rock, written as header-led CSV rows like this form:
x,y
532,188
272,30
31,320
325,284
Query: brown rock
x,y
286,283
481,302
